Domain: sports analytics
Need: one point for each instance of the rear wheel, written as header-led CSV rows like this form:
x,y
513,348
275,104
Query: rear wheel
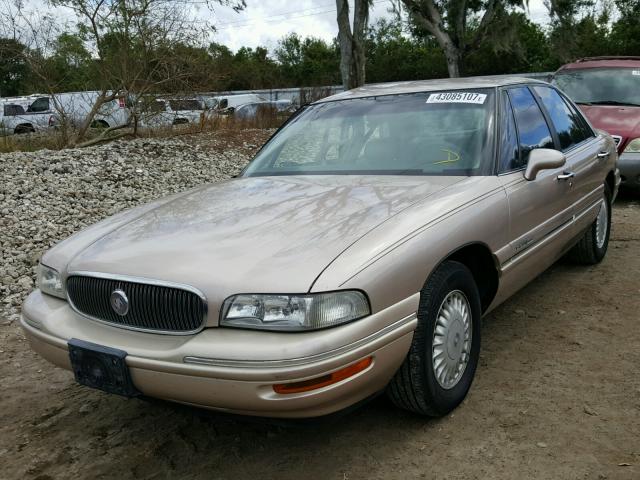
x,y
441,363
593,245
21,129
99,124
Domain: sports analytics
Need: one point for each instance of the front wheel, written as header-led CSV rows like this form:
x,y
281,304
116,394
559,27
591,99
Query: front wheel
x,y
593,245
441,363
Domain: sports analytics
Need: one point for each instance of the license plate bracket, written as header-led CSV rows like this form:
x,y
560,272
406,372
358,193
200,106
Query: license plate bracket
x,y
101,367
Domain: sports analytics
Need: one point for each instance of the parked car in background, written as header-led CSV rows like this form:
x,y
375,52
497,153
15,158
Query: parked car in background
x,y
249,111
75,106
607,90
16,119
222,102
166,112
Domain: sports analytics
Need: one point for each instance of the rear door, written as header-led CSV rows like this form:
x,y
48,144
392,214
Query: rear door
x,y
540,210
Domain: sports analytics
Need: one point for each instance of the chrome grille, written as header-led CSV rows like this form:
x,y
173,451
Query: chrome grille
x,y
152,307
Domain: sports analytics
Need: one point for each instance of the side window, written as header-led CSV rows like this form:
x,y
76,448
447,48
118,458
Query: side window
x,y
40,105
532,127
588,132
509,156
12,110
567,124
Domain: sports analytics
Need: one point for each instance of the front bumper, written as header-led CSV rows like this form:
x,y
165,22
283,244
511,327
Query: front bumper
x,y
629,166
190,370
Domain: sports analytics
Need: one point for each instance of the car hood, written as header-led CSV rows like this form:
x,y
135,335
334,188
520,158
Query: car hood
x,y
261,234
615,120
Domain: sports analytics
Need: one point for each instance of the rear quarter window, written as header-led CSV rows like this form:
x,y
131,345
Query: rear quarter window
x,y
13,110
566,122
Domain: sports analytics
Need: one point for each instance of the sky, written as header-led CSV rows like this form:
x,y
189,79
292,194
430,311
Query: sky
x,y
265,22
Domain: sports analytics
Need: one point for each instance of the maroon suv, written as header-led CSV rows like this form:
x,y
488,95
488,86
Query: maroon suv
x,y
607,89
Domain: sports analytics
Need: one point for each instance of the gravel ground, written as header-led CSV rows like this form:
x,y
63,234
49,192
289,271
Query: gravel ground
x,y
557,393
46,196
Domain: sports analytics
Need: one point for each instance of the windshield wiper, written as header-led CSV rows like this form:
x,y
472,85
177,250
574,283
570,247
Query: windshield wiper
x,y
614,102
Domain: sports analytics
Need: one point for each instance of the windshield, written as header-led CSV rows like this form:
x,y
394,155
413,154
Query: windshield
x,y
603,86
431,133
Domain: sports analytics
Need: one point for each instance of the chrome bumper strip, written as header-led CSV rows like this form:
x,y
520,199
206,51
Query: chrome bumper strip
x,y
396,330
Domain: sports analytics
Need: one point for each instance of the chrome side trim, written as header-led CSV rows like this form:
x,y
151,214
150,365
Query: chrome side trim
x,y
542,242
141,280
509,264
407,323
532,246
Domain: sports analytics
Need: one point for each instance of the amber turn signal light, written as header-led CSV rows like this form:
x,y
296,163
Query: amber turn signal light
x,y
323,381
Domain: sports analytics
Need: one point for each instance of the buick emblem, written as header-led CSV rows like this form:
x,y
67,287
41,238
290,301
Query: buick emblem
x,y
119,302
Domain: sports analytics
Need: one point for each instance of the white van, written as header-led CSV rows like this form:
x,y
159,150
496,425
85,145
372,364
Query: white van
x,y
15,117
77,105
223,102
166,112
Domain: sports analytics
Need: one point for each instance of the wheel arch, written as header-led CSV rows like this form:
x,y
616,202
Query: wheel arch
x,y
100,123
23,128
479,259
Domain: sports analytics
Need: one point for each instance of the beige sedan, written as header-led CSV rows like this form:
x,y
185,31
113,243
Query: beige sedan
x,y
356,254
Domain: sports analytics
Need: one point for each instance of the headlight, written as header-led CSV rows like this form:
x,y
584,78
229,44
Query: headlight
x,y
633,146
294,312
50,282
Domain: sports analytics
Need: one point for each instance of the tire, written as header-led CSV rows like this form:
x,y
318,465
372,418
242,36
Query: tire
x,y
22,129
416,386
589,250
99,124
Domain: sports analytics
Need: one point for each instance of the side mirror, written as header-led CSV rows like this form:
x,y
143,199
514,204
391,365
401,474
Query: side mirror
x,y
543,159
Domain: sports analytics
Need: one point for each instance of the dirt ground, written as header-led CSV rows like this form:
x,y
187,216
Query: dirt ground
x,y
556,396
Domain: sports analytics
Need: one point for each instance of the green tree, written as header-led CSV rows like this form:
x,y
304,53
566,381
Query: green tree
x,y
307,62
460,26
579,28
70,65
517,45
252,69
14,71
222,66
393,56
625,32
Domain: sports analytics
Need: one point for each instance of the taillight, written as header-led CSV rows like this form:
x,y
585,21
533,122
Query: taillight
x,y
52,121
121,102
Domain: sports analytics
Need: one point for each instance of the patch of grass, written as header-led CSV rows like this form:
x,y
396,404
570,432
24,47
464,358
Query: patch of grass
x,y
30,142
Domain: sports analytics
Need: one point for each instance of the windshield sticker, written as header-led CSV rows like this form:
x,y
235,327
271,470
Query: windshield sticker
x,y
635,72
457,97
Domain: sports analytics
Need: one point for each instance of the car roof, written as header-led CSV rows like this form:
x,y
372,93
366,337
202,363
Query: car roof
x,y
602,62
417,86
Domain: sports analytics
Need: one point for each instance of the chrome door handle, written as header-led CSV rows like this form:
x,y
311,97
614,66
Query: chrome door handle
x,y
603,155
566,175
